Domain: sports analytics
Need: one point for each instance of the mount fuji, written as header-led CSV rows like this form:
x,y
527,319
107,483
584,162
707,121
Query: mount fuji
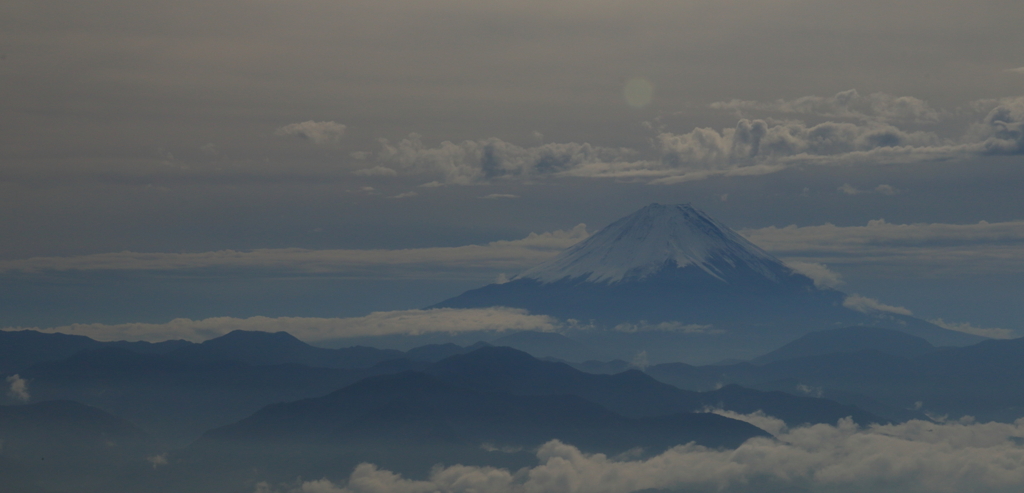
x,y
675,284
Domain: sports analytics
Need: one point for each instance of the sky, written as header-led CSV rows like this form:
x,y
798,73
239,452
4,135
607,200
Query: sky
x,y
177,168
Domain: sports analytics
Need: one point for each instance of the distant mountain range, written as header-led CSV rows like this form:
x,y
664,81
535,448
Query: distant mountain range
x,y
469,408
250,410
678,285
259,405
880,370
20,349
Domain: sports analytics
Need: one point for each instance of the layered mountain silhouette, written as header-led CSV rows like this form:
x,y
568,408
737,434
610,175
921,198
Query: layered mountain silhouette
x,y
885,372
673,282
178,400
484,405
20,349
849,340
494,406
631,393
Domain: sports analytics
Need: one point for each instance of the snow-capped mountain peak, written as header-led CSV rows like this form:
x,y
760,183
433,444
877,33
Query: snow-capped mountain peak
x,y
650,240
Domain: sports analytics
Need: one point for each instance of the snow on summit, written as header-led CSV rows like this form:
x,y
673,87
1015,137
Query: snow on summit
x,y
651,239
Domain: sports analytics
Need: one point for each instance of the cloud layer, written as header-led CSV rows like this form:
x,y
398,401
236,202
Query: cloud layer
x,y
869,130
916,456
510,255
928,249
412,322
847,104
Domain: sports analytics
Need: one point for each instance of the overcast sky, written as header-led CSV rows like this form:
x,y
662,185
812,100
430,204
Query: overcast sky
x,y
309,158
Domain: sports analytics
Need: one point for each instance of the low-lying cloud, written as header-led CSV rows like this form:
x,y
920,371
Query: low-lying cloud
x,y
864,304
993,333
410,322
18,388
822,276
882,189
913,457
674,326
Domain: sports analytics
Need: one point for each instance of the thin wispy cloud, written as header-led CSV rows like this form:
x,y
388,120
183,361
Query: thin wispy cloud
x,y
928,248
882,189
846,104
321,133
870,305
511,255
311,329
931,248
990,332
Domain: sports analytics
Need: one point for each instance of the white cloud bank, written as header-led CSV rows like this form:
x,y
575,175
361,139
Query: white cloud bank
x,y
867,133
913,457
412,322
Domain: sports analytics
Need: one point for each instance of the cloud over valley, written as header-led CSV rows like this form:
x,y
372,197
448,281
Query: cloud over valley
x,y
912,457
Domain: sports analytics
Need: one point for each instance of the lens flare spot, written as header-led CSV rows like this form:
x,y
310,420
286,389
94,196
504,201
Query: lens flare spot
x,y
638,92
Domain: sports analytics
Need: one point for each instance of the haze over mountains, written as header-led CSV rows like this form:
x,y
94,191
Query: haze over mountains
x,y
674,283
645,300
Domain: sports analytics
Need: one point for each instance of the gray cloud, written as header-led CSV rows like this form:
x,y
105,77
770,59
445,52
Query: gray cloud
x,y
444,320
18,388
479,161
846,104
674,326
320,133
882,189
375,171
913,457
1002,129
752,147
